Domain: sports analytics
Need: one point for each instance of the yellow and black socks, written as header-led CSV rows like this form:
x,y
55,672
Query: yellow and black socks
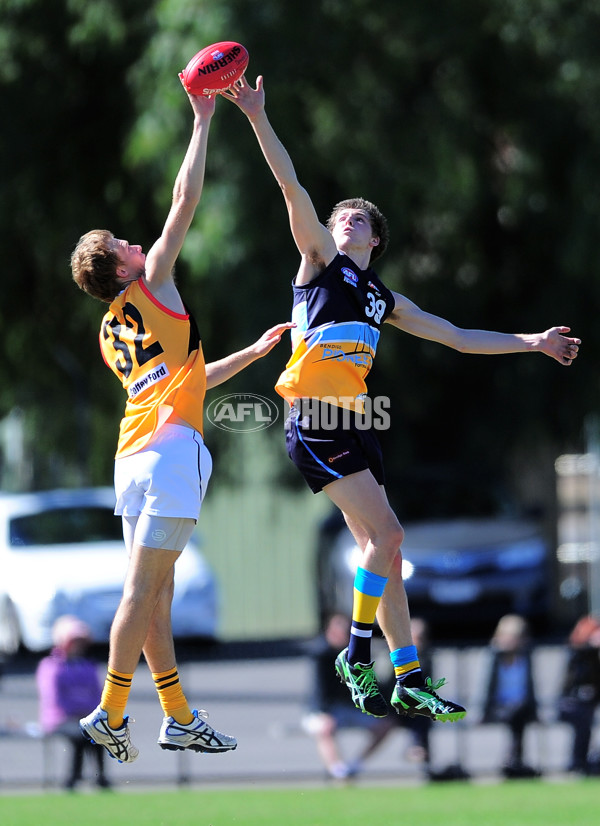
x,y
406,665
115,695
368,590
171,696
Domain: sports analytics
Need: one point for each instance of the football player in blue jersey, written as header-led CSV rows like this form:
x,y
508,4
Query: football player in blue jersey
x,y
340,306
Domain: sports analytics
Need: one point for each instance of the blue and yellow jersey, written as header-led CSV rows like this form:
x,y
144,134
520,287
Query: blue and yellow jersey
x,y
338,318
157,355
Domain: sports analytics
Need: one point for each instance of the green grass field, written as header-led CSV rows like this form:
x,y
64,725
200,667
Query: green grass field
x,y
518,803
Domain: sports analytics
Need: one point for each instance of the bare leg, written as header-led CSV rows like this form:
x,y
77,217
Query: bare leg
x,y
393,613
150,571
149,577
159,649
379,535
364,504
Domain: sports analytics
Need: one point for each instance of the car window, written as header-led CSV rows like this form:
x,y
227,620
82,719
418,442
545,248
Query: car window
x,y
65,526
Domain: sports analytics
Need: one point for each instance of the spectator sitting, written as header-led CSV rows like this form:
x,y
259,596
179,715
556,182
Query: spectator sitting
x,y
509,696
331,708
68,686
581,692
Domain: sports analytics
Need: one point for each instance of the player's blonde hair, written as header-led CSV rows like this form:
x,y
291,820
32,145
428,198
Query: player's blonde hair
x,y
379,224
94,265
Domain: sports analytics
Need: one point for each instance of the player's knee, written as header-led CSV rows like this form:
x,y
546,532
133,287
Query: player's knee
x,y
140,595
393,538
147,588
385,541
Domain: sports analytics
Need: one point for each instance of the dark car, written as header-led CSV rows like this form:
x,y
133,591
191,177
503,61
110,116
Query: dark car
x,y
457,572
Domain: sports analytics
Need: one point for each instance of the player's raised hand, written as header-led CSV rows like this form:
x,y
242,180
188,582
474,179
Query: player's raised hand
x,y
250,100
203,105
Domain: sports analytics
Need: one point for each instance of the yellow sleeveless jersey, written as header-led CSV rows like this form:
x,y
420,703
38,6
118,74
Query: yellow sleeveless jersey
x,y
157,356
338,319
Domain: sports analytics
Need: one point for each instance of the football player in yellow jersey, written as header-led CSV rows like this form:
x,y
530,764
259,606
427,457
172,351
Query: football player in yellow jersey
x,y
151,342
339,307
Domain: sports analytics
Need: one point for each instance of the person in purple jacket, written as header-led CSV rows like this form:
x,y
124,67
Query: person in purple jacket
x,y
68,685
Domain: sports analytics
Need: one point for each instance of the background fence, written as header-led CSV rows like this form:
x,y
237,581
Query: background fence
x,y
261,543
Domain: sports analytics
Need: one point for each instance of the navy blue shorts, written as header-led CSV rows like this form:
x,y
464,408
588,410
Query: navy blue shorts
x,y
327,443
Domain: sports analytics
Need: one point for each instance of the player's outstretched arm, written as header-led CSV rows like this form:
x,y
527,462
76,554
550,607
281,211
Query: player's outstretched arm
x,y
252,103
552,342
186,196
309,234
218,372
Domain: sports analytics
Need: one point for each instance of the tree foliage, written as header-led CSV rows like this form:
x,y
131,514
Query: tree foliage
x,y
474,126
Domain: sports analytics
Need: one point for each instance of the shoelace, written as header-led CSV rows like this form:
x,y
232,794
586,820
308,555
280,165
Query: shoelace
x,y
433,687
368,681
209,736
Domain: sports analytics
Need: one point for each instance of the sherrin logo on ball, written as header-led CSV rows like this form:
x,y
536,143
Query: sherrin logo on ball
x,y
215,68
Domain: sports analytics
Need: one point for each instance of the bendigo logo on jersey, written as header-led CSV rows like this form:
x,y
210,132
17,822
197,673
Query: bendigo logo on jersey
x,y
358,359
152,377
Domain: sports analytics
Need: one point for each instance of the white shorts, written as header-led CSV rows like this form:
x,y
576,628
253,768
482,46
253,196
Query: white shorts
x,y
168,477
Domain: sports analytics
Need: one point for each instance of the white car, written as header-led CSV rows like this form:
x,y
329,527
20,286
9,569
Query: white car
x,y
62,552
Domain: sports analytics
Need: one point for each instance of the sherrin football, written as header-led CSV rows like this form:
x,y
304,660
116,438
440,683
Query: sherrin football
x,y
215,68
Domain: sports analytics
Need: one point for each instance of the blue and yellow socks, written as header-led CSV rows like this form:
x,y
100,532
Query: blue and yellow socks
x,y
406,665
368,590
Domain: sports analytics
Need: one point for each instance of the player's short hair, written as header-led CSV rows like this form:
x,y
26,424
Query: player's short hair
x,y
94,265
379,224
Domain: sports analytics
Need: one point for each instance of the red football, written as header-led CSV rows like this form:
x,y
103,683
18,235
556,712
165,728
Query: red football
x,y
215,68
